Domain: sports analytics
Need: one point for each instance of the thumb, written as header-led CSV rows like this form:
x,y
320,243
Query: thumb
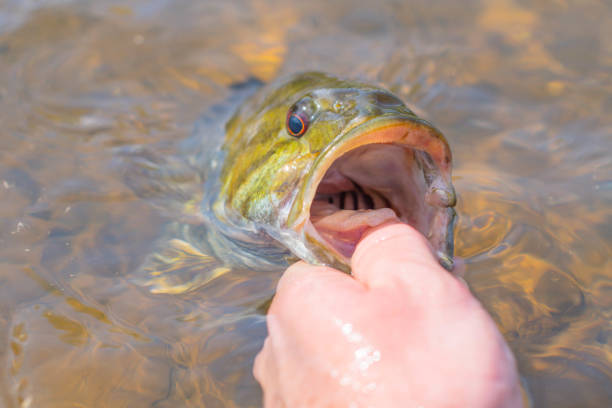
x,y
398,254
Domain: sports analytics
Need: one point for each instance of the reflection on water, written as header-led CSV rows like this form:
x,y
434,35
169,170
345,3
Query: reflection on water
x,y
521,89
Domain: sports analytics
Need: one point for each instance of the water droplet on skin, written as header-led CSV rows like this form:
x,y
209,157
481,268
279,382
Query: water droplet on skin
x,y
365,357
362,352
369,387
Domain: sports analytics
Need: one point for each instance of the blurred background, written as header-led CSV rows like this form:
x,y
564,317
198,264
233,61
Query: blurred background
x,y
521,89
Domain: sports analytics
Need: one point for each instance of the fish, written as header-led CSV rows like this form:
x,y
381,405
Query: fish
x,y
306,166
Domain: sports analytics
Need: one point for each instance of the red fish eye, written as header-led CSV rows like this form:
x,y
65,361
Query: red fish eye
x,y
297,123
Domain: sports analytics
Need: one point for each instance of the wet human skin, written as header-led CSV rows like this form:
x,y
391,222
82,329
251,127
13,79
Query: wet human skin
x,y
401,331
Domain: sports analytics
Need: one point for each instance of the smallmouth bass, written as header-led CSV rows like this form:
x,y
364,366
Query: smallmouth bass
x,y
307,166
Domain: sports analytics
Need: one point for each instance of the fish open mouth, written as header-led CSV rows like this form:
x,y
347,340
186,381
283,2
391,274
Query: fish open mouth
x,y
393,171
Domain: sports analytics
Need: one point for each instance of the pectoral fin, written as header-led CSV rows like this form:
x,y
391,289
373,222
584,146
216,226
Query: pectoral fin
x,y
177,268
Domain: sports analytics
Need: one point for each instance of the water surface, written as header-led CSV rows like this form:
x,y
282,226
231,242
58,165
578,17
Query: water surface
x,y
522,91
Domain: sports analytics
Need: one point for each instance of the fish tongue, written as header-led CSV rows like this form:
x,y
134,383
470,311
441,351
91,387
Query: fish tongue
x,y
344,228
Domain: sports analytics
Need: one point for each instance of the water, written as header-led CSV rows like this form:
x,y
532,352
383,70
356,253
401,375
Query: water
x,y
521,90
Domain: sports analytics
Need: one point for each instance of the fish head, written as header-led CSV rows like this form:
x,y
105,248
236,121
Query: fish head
x,y
317,161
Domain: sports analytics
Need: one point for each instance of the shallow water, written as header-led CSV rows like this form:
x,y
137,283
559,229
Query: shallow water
x,y
521,89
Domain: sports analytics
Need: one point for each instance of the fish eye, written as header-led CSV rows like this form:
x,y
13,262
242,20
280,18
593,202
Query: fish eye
x,y
297,123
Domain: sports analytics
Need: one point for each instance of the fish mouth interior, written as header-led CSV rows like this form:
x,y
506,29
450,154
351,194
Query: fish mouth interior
x,y
366,187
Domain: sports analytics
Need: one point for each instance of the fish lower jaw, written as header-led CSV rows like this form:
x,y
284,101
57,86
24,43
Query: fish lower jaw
x,y
339,232
343,229
374,185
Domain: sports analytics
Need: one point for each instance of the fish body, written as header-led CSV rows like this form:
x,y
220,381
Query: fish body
x,y
307,166
268,179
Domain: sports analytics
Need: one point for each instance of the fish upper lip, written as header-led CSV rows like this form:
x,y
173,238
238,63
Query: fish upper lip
x,y
406,130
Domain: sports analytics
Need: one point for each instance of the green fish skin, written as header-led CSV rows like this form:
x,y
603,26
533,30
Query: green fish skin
x,y
363,159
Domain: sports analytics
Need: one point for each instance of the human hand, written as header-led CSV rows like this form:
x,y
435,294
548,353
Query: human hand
x,y
400,332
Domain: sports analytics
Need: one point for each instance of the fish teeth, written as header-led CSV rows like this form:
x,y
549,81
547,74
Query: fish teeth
x,y
355,200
